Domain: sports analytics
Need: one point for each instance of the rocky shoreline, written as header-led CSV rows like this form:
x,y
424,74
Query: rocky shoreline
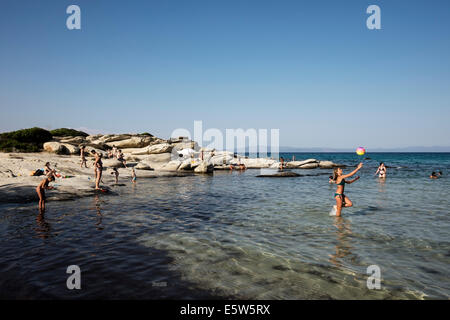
x,y
151,157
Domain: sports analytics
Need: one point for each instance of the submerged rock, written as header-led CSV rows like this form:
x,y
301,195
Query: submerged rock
x,y
282,174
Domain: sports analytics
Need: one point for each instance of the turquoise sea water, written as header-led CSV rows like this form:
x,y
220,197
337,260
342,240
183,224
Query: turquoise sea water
x,y
236,235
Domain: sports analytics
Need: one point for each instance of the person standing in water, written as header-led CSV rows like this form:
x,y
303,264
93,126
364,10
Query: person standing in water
x,y
40,190
133,175
381,171
339,178
115,172
98,167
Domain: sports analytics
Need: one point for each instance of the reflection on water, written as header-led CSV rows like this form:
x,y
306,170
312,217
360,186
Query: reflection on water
x,y
234,235
43,227
343,237
99,213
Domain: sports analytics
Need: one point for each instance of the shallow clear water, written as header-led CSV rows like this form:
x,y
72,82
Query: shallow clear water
x,y
236,235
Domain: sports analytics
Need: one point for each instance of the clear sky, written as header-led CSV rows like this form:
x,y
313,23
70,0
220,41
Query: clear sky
x,y
309,68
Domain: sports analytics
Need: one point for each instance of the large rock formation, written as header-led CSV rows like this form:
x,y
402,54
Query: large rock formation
x,y
153,149
55,147
298,164
152,153
71,149
132,142
112,163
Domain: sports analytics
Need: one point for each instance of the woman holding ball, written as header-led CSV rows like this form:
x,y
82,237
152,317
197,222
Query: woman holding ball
x,y
339,178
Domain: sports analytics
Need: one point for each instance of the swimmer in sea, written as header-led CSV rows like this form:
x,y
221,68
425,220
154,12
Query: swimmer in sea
x,y
339,178
381,171
40,190
434,175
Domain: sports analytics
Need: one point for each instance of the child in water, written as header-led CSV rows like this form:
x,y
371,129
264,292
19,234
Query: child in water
x,y
133,175
115,172
339,178
40,190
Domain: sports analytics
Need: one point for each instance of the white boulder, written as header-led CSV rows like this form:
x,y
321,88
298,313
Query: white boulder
x,y
326,164
112,163
71,148
55,147
204,167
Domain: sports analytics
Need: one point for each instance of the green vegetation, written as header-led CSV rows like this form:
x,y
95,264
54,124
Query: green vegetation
x,y
146,134
25,140
65,132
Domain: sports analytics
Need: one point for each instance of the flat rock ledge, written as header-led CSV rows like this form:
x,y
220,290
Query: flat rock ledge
x,y
283,174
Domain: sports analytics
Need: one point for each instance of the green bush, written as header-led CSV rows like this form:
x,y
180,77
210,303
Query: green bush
x,y
25,140
65,132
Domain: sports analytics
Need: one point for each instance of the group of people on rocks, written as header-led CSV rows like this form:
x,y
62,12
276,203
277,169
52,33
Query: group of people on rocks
x,y
50,173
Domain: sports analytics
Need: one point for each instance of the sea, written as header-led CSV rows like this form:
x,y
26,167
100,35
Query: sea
x,y
236,235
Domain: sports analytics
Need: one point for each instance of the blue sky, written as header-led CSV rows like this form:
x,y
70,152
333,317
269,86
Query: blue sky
x,y
309,68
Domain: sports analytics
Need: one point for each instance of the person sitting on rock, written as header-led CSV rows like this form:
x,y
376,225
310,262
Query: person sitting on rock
x,y
114,151
48,171
121,159
110,154
281,163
